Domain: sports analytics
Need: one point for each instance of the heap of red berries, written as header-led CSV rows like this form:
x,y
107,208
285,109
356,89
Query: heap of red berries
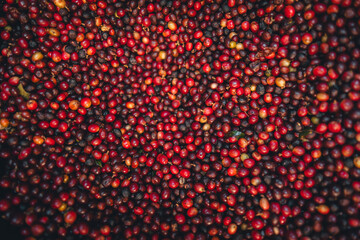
x,y
184,119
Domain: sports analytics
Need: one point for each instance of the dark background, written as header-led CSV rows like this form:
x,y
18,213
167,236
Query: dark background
x,y
7,231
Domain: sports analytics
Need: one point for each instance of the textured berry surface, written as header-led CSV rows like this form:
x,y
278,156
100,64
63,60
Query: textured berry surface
x,y
180,119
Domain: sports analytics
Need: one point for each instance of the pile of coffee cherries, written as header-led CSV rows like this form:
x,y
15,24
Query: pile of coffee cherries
x,y
184,119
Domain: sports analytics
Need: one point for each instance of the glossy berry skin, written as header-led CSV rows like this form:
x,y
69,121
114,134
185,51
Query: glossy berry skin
x,y
70,217
289,11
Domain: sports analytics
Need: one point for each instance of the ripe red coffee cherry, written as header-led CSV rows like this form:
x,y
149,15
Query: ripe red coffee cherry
x,y
334,127
289,11
70,217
